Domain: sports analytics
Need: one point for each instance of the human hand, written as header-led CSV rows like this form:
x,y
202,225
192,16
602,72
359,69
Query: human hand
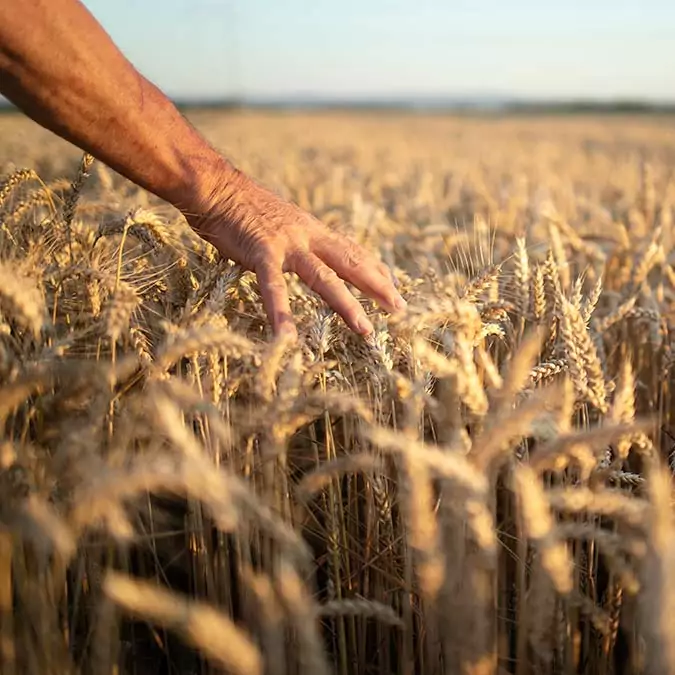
x,y
269,236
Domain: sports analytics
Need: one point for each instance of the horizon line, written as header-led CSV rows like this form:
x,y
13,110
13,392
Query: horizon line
x,y
436,102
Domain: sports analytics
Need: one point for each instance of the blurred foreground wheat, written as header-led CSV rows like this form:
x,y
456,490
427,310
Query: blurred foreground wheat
x,y
481,487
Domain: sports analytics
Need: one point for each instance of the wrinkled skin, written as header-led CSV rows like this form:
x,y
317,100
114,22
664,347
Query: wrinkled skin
x,y
268,235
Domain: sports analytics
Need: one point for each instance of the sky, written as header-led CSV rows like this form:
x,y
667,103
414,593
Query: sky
x,y
390,48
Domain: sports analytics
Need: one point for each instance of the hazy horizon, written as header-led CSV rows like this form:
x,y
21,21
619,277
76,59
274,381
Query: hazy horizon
x,y
450,102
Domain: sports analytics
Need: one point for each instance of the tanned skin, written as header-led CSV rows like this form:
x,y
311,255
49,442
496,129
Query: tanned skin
x,y
61,68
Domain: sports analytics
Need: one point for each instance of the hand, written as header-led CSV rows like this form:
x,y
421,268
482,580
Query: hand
x,y
269,236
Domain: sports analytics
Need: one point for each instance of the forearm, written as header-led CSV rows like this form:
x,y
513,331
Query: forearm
x,y
62,69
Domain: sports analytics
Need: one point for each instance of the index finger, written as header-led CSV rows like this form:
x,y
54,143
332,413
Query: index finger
x,y
359,267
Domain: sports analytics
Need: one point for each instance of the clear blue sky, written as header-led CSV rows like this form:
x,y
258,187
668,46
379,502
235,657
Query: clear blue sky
x,y
592,48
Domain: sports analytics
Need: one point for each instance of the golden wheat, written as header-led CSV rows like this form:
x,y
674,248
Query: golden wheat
x,y
480,487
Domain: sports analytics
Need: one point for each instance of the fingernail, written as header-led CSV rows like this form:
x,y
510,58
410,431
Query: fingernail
x,y
363,325
400,303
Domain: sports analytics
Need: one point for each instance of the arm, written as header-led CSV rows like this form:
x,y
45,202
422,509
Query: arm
x,y
60,67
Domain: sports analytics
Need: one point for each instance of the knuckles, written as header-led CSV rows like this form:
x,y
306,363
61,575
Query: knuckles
x,y
265,250
352,255
319,276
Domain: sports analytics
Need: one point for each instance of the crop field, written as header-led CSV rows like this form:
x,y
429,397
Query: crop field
x,y
481,487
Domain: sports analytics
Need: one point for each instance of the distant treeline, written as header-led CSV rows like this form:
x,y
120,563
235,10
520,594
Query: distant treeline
x,y
478,106
484,105
583,106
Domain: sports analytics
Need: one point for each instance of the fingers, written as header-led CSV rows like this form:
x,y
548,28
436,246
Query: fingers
x,y
275,299
323,280
386,272
360,268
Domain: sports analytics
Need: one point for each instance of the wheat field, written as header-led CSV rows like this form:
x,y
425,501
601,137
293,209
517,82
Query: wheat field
x,y
482,487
